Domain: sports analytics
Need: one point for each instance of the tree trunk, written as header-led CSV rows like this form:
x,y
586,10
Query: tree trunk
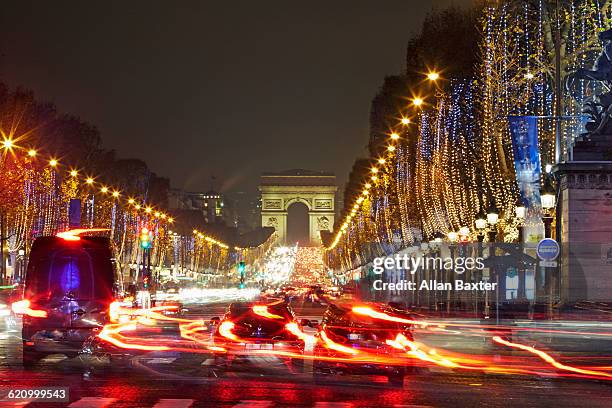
x,y
2,238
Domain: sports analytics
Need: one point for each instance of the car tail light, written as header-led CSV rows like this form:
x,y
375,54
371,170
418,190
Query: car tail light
x,y
114,310
225,329
262,311
294,329
23,307
329,343
74,234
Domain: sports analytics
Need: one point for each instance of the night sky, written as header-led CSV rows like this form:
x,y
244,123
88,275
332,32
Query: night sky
x,y
198,88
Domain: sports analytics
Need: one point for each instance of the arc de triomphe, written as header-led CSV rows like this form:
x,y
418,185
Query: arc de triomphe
x,y
317,190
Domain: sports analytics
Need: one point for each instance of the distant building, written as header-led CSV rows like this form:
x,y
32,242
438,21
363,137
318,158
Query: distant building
x,y
243,210
213,206
210,203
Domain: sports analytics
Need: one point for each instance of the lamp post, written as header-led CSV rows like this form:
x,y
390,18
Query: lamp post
x,y
492,218
549,201
19,271
521,212
481,224
437,241
453,237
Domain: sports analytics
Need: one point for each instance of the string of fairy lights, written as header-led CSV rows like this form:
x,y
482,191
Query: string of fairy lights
x,y
453,161
376,173
52,163
77,177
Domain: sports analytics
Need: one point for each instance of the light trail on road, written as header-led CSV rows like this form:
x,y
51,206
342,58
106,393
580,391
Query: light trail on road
x,y
195,337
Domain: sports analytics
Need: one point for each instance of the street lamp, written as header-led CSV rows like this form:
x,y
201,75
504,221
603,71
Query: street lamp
x,y
417,101
452,236
547,195
481,224
492,218
521,212
405,121
492,215
549,201
21,270
481,221
433,76
7,144
520,209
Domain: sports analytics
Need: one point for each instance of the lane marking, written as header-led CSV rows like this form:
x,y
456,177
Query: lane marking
x,y
254,404
92,402
160,360
174,403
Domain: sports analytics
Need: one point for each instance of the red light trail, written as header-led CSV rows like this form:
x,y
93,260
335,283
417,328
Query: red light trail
x,y
197,333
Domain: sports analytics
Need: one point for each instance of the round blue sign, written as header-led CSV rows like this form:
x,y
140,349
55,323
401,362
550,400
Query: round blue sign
x,y
548,249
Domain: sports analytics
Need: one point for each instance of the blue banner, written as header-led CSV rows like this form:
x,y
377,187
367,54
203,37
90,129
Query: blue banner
x,y
524,132
74,213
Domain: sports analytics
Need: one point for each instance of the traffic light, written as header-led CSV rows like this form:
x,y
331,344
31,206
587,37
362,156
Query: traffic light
x,y
146,237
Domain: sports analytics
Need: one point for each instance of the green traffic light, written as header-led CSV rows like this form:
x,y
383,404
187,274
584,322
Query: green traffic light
x,y
145,238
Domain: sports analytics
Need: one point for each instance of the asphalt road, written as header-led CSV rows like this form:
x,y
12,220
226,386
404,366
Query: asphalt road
x,y
187,380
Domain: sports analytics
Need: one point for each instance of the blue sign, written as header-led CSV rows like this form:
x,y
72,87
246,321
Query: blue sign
x,y
524,132
74,213
548,249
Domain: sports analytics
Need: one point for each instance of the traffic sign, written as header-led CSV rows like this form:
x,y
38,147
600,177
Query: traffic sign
x,y
548,249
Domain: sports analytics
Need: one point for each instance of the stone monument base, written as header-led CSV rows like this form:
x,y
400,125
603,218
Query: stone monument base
x,y
585,200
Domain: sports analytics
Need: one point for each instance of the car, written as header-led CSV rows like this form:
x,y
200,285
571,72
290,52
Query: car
x,y
69,287
259,327
343,333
